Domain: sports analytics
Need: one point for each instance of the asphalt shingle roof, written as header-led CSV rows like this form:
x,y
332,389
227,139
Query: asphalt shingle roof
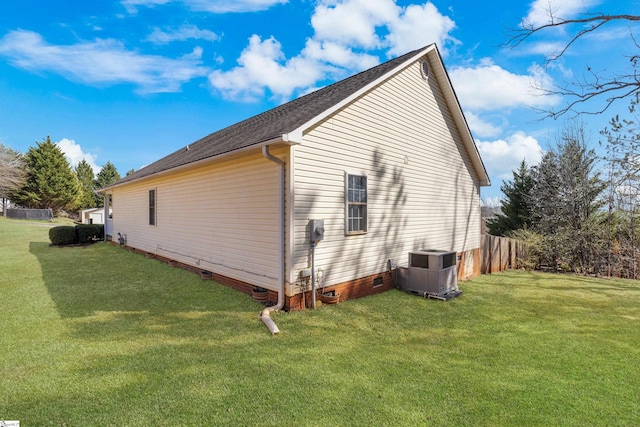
x,y
270,124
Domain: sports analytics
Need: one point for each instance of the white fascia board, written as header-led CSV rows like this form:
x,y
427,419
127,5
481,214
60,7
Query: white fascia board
x,y
280,139
461,122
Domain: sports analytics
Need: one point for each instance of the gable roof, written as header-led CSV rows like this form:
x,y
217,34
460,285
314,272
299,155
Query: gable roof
x,y
286,122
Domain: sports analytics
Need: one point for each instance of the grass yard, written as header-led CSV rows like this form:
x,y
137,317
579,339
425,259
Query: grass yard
x,y
99,336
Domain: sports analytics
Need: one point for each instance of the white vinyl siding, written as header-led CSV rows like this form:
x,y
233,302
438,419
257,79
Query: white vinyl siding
x,y
221,217
423,191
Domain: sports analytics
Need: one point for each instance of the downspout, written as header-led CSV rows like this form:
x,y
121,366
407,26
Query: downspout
x,y
265,314
106,214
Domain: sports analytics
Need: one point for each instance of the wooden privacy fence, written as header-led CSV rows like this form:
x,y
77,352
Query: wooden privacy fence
x,y
500,253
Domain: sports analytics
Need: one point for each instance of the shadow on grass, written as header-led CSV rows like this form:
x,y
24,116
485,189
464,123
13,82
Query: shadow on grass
x,y
83,281
141,344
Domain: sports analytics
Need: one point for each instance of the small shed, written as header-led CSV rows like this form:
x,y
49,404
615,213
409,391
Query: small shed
x,y
93,216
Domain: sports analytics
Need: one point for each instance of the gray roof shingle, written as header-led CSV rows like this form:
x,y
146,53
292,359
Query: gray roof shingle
x,y
270,124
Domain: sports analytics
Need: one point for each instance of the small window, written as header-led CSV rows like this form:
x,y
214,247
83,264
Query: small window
x,y
152,207
356,204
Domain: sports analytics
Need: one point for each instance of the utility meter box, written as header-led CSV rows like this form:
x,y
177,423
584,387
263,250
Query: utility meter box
x,y
316,230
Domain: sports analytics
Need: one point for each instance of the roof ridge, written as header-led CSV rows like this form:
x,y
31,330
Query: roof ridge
x,y
270,124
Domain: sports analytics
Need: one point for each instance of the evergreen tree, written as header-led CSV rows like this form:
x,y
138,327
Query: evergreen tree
x,y
545,195
50,181
107,176
130,172
580,192
566,200
85,175
516,206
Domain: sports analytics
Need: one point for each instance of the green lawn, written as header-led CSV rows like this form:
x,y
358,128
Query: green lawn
x,y
99,336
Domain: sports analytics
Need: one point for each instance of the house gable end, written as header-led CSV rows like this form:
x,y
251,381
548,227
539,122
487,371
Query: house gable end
x,y
421,184
430,55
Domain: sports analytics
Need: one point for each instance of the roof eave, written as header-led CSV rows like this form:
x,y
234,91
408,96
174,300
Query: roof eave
x,y
462,124
284,139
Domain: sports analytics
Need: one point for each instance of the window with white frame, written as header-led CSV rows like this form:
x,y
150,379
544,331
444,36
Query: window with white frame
x,y
355,203
152,207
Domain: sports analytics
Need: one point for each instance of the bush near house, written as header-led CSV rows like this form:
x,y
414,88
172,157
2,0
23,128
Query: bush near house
x,y
89,232
81,233
63,235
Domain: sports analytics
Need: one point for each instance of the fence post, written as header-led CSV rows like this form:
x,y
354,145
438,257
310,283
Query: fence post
x,y
485,263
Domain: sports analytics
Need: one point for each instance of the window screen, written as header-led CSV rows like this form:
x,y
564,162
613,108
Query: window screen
x,y
356,204
152,207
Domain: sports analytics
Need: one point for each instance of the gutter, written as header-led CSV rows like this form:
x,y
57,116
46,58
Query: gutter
x,y
265,315
200,162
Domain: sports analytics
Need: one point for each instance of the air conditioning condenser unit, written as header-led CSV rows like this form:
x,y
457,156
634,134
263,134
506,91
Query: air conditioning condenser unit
x,y
431,273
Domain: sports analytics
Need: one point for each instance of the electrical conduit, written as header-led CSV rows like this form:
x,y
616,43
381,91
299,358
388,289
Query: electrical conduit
x,y
265,314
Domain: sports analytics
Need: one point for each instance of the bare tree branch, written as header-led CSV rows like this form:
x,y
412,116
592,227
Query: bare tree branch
x,y
594,85
12,172
527,29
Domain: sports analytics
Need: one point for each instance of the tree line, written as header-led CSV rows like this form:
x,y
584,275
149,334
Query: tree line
x,y
578,211
42,178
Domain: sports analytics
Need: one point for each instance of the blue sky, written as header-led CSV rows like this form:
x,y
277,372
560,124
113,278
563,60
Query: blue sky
x,y
129,81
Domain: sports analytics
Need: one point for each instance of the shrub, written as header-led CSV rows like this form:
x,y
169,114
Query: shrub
x,y
63,235
536,248
87,233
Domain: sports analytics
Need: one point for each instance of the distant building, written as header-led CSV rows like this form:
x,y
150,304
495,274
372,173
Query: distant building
x,y
93,215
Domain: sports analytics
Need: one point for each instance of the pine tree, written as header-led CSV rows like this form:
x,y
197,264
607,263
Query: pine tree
x,y
566,201
580,192
130,172
85,175
107,176
50,181
545,195
516,206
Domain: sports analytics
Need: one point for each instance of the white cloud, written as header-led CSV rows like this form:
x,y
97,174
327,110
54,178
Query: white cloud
x,y
195,55
502,156
490,87
541,11
610,35
262,65
337,55
417,26
548,49
104,61
343,31
132,5
480,127
553,41
212,6
185,32
74,154
356,23
353,22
